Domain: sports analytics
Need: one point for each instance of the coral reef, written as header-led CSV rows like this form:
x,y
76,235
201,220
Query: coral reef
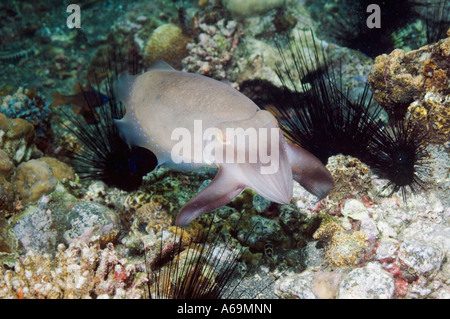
x,y
167,43
7,196
345,249
63,239
31,106
432,113
8,245
401,78
6,165
266,61
16,145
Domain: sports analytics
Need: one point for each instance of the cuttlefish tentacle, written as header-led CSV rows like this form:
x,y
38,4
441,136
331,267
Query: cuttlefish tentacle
x,y
162,100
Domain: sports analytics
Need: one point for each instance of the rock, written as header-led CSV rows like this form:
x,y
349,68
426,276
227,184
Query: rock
x,y
296,286
387,249
326,284
251,7
369,282
262,230
308,285
16,138
60,170
352,179
212,55
35,228
6,198
6,164
58,218
386,230
34,179
425,258
355,210
297,224
260,203
313,257
8,245
91,222
369,227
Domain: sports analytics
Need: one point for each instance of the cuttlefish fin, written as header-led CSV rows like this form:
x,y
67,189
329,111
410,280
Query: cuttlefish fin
x,y
222,189
124,87
309,171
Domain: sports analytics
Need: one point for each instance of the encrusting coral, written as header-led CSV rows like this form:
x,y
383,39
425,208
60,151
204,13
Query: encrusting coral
x,y
344,248
417,83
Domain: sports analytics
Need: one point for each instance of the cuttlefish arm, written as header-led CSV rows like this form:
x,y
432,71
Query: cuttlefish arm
x,y
222,189
309,171
232,179
272,180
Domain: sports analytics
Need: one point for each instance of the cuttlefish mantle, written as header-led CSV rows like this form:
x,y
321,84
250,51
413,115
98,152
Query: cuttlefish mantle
x,y
165,107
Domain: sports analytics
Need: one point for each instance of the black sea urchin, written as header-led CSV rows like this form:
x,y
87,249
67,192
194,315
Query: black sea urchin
x,y
204,266
322,119
104,155
346,23
437,18
318,115
396,153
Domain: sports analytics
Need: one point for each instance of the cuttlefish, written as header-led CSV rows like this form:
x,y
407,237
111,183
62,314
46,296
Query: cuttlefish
x,y
190,121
